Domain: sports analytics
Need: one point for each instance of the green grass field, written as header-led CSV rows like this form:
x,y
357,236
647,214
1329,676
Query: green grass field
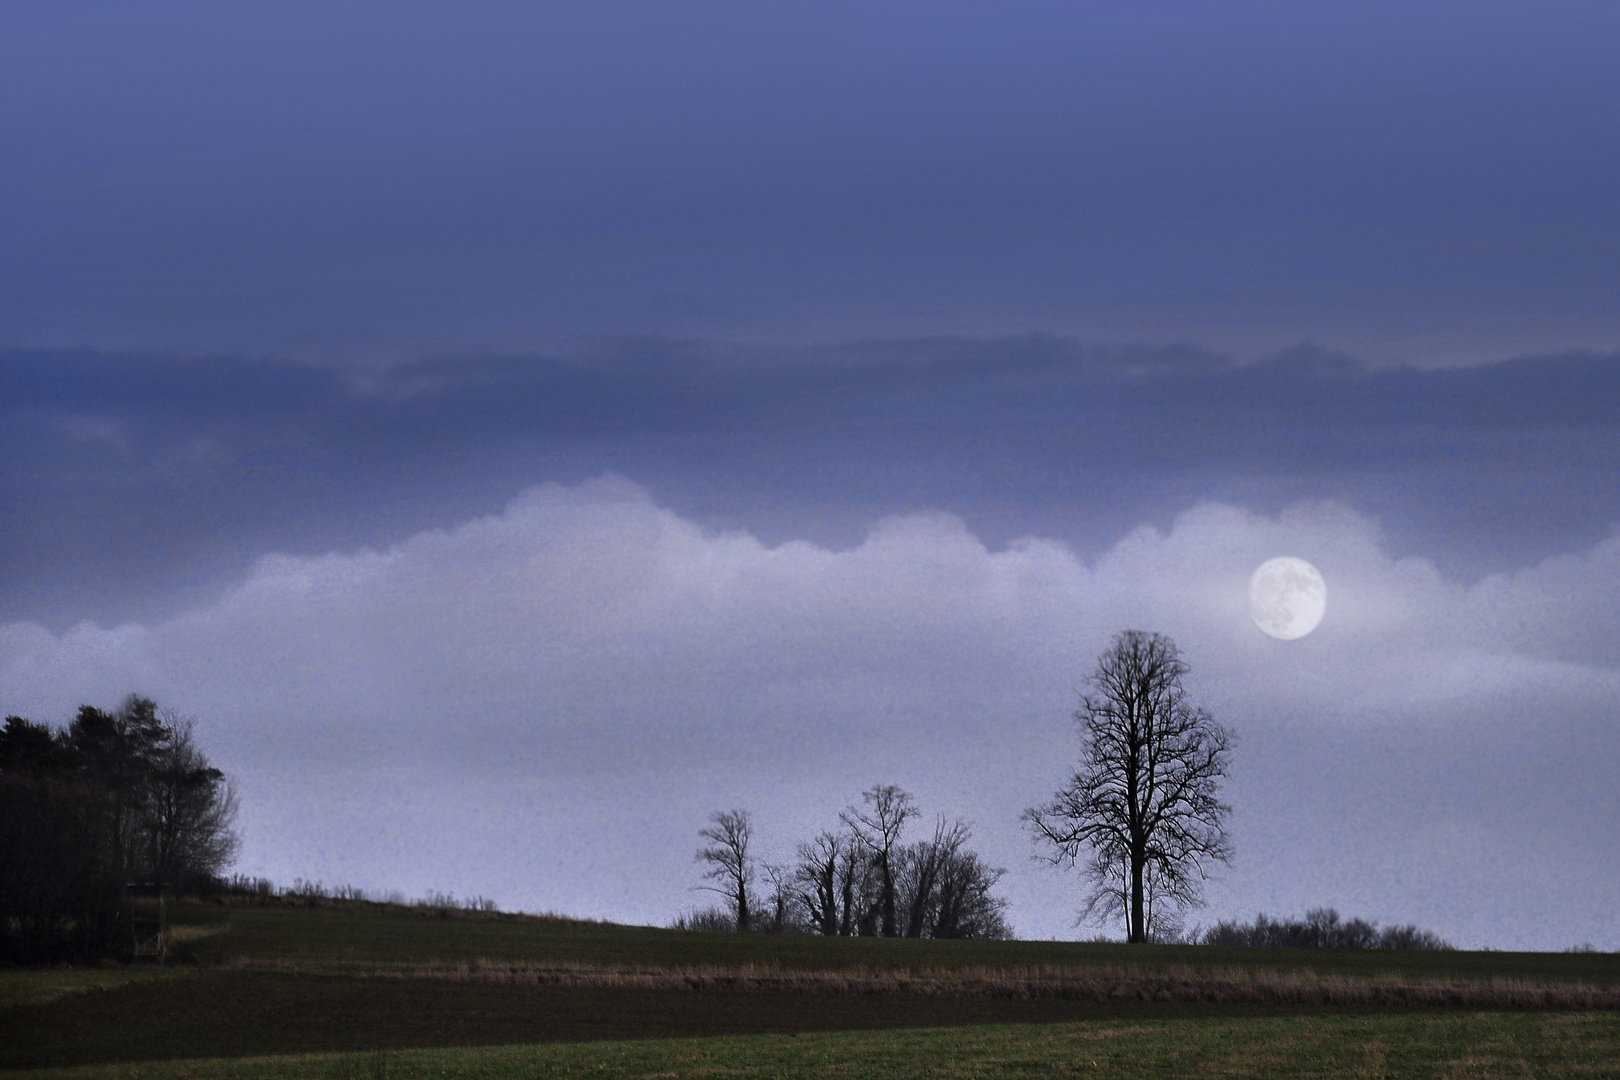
x,y
359,990
1425,1045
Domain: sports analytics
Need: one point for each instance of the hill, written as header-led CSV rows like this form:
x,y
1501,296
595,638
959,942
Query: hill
x,y
266,981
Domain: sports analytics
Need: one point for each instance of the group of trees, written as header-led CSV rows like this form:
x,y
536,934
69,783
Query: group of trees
x,y
860,879
1141,817
116,799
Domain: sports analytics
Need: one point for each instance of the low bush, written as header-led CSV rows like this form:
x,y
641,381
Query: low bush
x,y
1321,928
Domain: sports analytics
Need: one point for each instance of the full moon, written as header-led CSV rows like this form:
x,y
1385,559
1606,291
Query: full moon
x,y
1287,597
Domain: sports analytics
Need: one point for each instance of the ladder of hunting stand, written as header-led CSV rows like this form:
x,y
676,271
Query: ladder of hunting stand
x,y
151,929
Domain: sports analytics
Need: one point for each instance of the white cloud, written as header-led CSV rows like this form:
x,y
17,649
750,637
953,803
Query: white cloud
x,y
543,704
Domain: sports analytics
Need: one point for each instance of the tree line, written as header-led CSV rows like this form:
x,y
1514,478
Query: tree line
x,y
860,879
127,798
116,800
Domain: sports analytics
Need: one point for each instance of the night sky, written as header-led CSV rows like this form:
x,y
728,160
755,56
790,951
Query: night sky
x,y
514,431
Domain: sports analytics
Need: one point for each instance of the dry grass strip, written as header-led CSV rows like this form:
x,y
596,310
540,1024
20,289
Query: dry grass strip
x,y
1101,983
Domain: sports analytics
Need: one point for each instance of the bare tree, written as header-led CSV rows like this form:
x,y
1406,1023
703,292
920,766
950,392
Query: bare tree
x,y
877,828
944,888
729,862
920,867
817,879
783,908
188,812
1143,810
856,878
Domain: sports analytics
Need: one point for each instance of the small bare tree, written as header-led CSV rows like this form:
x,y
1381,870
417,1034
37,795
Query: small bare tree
x,y
877,828
817,879
783,907
1143,810
730,865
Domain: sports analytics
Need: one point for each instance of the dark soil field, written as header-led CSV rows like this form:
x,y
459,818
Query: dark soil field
x,y
386,989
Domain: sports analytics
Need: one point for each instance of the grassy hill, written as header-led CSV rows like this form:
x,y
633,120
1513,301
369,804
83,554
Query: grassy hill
x,y
410,991
338,936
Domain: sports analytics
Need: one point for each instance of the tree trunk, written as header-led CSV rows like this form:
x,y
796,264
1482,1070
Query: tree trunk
x,y
889,928
1138,932
827,887
846,921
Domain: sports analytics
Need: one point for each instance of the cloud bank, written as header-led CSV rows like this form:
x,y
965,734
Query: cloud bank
x,y
141,486
544,703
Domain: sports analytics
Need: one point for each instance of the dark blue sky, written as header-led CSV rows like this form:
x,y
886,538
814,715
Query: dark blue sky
x,y
516,430
1417,182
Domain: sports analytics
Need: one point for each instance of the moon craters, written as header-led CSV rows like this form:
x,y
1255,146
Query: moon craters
x,y
1287,597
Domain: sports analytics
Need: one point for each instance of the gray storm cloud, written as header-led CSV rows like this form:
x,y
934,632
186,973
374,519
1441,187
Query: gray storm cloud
x,y
543,704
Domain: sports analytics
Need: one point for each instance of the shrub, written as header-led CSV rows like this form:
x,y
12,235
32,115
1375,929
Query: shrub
x,y
1321,928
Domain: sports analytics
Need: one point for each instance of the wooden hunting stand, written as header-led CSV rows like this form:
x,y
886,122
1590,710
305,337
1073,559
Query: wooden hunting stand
x,y
150,919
